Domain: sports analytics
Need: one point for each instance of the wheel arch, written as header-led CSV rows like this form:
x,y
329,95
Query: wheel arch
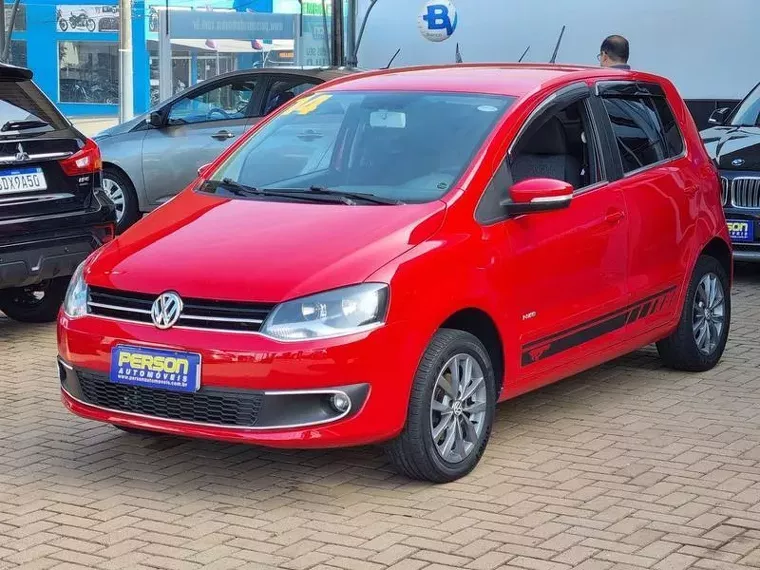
x,y
138,189
479,323
720,250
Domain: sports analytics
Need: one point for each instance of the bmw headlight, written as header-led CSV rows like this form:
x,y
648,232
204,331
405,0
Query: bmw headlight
x,y
334,313
75,302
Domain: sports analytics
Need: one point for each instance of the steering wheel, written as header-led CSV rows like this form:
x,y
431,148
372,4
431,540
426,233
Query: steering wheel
x,y
218,111
241,106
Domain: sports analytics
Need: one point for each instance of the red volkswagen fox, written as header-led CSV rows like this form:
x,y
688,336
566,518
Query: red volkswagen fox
x,y
391,254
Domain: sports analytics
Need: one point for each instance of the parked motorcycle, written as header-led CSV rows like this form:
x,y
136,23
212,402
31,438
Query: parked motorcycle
x,y
76,21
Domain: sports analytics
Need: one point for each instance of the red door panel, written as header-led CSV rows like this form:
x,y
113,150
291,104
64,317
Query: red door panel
x,y
569,272
661,225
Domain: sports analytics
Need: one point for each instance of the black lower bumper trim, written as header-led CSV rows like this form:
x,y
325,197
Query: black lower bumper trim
x,y
251,409
31,262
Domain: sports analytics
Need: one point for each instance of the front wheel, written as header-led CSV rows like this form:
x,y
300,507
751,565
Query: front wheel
x,y
698,343
451,410
90,25
36,303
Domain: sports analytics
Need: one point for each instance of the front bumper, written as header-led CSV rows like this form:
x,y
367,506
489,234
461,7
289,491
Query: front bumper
x,y
253,389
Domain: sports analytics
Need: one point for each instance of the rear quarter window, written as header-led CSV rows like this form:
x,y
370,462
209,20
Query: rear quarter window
x,y
645,129
22,101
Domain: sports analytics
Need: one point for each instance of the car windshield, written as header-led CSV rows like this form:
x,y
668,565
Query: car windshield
x,y
401,146
747,114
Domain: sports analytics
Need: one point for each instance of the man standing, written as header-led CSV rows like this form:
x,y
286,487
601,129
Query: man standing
x,y
614,53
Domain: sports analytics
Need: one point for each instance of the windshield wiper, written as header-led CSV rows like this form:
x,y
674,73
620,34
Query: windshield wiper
x,y
371,198
244,190
22,125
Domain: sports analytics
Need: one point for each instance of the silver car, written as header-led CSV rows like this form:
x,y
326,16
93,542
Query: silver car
x,y
151,158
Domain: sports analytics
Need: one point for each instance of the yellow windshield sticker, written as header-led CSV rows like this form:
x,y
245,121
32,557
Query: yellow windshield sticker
x,y
307,105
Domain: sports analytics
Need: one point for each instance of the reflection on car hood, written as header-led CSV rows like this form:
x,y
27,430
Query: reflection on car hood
x,y
734,148
203,246
124,127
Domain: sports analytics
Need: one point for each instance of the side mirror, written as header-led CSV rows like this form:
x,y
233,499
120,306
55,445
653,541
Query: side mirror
x,y
203,170
155,119
538,195
719,116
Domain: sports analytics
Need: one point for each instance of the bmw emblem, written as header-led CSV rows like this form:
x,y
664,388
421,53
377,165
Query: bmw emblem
x,y
737,162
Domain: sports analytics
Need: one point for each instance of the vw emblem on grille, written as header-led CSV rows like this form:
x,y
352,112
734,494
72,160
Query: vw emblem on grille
x,y
21,154
166,310
737,162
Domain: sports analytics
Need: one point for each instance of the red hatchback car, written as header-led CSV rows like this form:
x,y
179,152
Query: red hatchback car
x,y
393,253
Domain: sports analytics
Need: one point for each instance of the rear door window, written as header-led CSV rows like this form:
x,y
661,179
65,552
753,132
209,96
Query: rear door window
x,y
24,109
645,130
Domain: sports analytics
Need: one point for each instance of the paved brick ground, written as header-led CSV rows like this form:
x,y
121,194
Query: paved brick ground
x,y
627,466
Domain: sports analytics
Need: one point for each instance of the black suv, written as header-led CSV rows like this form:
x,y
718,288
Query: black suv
x,y
52,210
734,143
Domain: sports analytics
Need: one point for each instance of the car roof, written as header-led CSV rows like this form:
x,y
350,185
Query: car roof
x,y
514,80
323,73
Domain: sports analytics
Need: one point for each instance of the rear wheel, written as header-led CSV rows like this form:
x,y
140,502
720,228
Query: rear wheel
x,y
700,339
451,410
122,193
36,303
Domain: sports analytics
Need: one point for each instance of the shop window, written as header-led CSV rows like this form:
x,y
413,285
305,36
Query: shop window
x,y
180,73
89,72
17,53
20,25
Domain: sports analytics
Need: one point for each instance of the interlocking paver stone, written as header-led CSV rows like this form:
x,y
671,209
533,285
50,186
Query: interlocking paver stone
x,y
625,466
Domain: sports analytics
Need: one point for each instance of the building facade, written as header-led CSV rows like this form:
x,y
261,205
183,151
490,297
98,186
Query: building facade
x,y
73,49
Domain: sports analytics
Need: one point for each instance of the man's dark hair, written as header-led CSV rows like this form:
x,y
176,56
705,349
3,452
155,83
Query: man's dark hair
x,y
616,47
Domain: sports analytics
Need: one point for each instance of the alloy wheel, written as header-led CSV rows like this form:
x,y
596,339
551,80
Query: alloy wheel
x,y
709,313
116,194
458,408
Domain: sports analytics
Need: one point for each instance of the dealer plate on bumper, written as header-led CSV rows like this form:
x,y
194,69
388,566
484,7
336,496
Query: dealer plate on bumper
x,y
153,368
741,230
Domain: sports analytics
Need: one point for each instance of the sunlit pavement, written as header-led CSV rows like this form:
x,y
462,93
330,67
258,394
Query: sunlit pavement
x,y
626,466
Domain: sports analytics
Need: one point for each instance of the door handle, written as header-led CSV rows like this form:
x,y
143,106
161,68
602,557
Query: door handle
x,y
222,135
690,190
614,217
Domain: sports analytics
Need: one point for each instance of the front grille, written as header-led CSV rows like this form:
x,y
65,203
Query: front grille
x,y
216,407
725,190
746,192
196,313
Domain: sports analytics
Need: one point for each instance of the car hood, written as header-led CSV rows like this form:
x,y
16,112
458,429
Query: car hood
x,y
734,148
203,246
121,128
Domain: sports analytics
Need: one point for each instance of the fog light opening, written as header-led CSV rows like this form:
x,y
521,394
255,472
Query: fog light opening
x,y
340,403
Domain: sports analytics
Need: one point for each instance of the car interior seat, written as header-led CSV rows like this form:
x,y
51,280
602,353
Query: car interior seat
x,y
546,154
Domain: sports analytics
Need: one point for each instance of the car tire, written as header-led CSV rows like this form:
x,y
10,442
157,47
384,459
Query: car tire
x,y
698,343
121,191
36,303
425,449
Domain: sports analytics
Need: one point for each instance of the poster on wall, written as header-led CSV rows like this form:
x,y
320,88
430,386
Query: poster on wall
x,y
88,18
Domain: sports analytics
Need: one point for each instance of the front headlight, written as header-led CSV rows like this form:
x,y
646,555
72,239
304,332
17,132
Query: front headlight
x,y
334,313
75,302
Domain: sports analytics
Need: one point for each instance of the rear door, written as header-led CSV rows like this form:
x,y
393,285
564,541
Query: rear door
x,y
198,127
660,193
34,140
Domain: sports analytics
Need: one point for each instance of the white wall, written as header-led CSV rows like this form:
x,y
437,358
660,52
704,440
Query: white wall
x,y
708,49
